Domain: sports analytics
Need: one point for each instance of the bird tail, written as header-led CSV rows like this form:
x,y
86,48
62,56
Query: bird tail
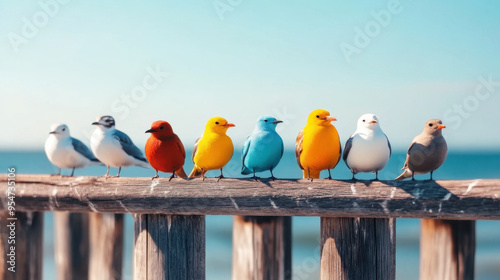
x,y
245,170
196,172
314,174
404,175
181,173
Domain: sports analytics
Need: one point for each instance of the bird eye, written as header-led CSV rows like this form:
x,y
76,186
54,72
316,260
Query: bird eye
x,y
161,127
317,116
217,123
430,124
265,120
64,129
364,121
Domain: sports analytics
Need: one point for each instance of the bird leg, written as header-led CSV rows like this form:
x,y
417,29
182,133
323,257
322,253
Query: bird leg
x,y
58,172
309,175
376,175
413,176
329,175
119,170
107,173
353,178
255,177
431,174
72,172
272,176
171,177
156,176
221,176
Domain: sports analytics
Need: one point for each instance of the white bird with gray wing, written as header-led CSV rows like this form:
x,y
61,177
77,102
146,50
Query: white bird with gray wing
x,y
113,147
64,151
368,149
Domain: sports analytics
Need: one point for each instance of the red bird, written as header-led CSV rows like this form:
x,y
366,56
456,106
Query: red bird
x,y
164,150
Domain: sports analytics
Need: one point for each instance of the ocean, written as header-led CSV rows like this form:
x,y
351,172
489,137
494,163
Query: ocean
x,y
306,230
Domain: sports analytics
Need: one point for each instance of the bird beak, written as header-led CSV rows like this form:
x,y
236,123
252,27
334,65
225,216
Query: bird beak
x,y
150,130
441,126
330,119
373,121
52,132
277,122
95,123
229,125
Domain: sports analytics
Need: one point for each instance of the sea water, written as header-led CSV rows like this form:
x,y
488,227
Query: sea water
x,y
305,230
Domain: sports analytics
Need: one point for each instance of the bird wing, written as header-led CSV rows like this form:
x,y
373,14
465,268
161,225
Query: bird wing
x,y
347,149
298,147
83,150
128,146
405,166
244,153
179,145
389,143
195,148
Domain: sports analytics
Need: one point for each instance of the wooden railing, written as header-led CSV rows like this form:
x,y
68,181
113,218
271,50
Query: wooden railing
x,y
357,225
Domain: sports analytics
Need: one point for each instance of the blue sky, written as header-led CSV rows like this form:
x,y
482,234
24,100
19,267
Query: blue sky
x,y
185,61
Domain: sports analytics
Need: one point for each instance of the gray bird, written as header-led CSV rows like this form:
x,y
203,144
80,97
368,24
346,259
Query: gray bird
x,y
427,151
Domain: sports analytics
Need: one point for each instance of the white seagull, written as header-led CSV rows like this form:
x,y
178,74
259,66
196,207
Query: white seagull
x,y
65,151
113,147
368,149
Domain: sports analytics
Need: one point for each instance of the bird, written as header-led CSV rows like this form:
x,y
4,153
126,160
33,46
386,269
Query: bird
x,y
318,145
368,149
263,149
164,150
427,151
64,151
213,149
113,147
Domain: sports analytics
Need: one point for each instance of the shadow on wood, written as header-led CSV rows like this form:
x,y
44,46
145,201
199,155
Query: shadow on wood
x,y
447,249
262,248
169,247
358,249
71,245
28,251
106,246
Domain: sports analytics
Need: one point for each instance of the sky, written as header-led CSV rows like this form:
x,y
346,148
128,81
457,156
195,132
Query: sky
x,y
187,61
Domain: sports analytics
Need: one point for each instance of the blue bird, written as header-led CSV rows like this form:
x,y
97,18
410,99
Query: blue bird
x,y
263,149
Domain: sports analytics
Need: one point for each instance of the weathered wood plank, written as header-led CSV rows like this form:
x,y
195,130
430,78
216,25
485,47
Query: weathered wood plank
x,y
469,199
106,246
25,233
261,248
169,247
447,250
358,249
71,245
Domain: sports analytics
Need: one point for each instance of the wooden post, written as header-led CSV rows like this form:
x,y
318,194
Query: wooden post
x,y
169,247
27,231
261,248
71,245
358,248
106,246
447,249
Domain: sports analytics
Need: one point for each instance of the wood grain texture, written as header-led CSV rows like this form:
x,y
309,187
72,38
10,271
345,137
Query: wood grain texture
x,y
71,245
261,248
28,246
469,199
358,249
447,250
106,246
169,247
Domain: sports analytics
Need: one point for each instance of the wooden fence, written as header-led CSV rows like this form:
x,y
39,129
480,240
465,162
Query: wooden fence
x,y
358,221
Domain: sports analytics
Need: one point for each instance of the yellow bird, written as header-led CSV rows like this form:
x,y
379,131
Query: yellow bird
x,y
213,149
318,145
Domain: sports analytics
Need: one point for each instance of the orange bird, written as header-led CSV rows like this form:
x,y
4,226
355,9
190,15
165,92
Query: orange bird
x,y
165,151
